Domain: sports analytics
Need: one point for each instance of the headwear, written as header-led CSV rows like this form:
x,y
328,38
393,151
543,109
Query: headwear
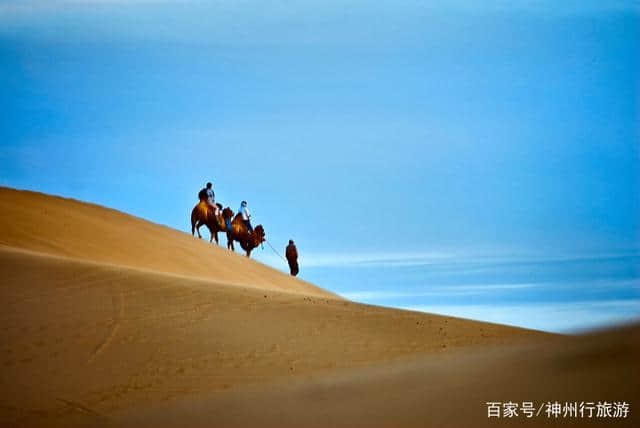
x,y
290,241
209,184
243,203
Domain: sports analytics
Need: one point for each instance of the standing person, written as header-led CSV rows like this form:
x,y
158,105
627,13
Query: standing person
x,y
246,216
292,257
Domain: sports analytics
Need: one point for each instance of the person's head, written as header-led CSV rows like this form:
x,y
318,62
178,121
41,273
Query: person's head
x,y
290,241
244,203
209,185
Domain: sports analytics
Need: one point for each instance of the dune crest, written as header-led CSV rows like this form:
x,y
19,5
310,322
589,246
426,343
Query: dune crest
x,y
70,228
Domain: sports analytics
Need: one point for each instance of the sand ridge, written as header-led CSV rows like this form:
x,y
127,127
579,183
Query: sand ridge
x,y
110,338
134,329
445,389
67,227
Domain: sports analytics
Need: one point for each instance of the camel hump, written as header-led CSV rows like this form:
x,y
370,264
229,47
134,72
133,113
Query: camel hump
x,y
201,209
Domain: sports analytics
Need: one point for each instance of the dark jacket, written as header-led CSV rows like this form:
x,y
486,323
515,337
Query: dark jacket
x,y
292,252
202,195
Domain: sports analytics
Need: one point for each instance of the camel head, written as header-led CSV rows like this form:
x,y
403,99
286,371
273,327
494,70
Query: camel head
x,y
227,213
259,235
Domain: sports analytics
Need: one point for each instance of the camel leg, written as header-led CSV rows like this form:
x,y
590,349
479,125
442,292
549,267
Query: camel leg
x,y
198,230
194,220
210,234
215,236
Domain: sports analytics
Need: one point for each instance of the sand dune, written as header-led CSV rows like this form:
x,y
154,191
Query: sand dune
x,y
445,389
66,227
147,326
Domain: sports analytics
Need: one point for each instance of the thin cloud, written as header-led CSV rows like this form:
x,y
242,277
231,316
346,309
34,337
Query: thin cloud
x,y
376,259
479,289
556,317
452,290
433,258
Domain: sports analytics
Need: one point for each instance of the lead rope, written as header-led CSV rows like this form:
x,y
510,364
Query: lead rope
x,y
274,250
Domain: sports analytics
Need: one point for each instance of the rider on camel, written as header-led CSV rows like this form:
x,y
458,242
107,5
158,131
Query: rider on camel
x,y
208,195
246,216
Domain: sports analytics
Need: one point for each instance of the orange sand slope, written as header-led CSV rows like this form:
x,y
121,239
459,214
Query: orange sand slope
x,y
446,389
119,331
66,227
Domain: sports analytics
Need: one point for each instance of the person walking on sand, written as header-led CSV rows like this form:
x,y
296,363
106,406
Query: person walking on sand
x,y
246,216
292,257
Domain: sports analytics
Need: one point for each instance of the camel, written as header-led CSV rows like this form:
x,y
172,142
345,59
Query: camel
x,y
202,214
248,241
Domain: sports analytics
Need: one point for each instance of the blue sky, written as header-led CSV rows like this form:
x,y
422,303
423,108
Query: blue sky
x,y
406,131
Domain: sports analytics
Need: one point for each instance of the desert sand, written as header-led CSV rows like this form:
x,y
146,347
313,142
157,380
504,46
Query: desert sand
x,y
111,320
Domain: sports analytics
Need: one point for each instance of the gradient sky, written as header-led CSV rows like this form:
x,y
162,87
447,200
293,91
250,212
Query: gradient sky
x,y
403,131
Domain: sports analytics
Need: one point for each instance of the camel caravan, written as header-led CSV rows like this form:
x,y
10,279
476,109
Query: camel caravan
x,y
238,228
